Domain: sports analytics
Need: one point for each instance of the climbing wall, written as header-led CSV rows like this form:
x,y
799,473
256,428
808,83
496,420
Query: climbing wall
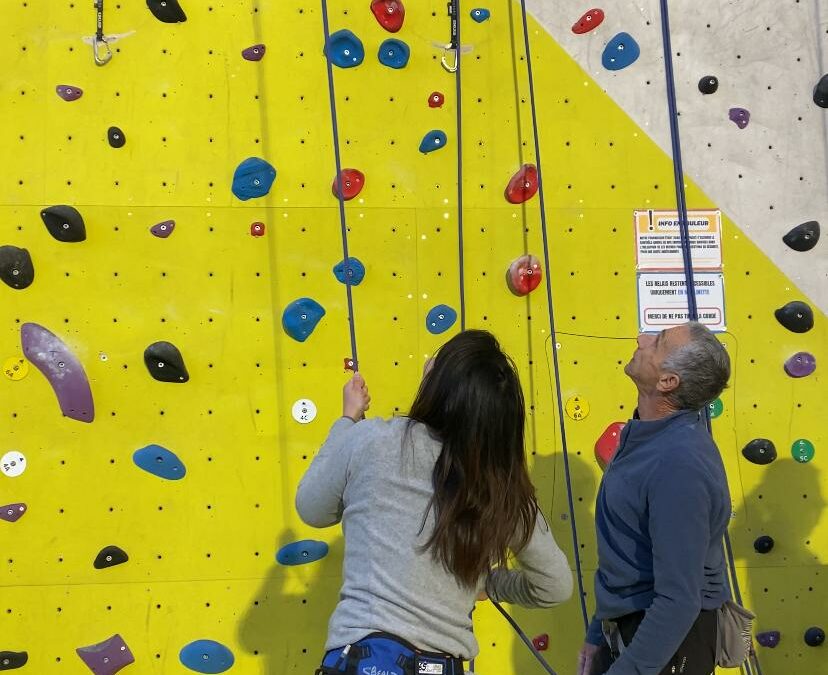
x,y
234,415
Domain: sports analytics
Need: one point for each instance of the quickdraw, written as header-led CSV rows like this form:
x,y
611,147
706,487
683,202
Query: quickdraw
x,y
452,49
100,45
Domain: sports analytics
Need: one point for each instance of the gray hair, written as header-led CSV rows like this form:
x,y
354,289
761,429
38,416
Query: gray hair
x,y
703,367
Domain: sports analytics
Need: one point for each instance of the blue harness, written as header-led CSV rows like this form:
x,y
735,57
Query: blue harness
x,y
386,654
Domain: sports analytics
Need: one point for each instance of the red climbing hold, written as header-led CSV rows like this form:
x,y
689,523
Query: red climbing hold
x,y
349,363
524,185
257,229
589,21
389,13
353,180
524,275
607,444
541,642
436,100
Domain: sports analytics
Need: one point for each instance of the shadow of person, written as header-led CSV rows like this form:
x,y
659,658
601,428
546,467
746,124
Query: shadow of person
x,y
286,622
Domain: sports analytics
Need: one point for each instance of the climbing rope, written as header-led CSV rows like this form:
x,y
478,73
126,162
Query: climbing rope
x,y
454,14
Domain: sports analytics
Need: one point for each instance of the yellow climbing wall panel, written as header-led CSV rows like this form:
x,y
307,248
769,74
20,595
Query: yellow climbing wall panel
x,y
202,549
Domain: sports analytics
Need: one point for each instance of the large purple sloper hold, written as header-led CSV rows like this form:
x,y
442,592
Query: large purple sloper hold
x,y
12,512
108,657
800,364
63,370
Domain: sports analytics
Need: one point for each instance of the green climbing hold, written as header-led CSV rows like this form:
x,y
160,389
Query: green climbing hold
x,y
716,408
803,450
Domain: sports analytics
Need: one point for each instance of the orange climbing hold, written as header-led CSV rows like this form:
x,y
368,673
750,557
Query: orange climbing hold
x,y
390,14
607,444
524,185
353,180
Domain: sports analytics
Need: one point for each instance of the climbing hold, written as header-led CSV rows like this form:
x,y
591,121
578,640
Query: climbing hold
x,y
352,180
709,84
16,268
760,451
716,408
763,544
524,275
523,185
814,636
13,464
108,657
69,93
160,462
301,317
302,552
541,642
433,140
64,223
304,411
440,319
16,368
61,368
253,178
796,316
163,229
740,117
350,272
821,92
257,229
607,444
480,14
620,52
12,513
165,363
13,660
577,408
803,450
800,364
394,53
116,137
769,639
589,21
436,99
390,14
345,49
206,656
168,11
803,237
254,53
349,364
109,557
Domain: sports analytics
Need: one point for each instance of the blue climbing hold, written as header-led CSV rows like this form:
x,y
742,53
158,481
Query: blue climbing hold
x,y
206,656
351,274
159,462
302,552
480,14
620,52
345,49
300,318
769,639
433,140
253,178
440,319
394,53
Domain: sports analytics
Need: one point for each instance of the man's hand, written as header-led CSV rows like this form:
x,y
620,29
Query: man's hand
x,y
355,398
587,658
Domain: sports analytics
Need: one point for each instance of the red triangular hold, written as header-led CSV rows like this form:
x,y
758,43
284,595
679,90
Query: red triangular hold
x,y
390,14
607,444
524,185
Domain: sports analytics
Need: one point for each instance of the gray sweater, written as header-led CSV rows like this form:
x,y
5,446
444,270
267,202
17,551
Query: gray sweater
x,y
364,477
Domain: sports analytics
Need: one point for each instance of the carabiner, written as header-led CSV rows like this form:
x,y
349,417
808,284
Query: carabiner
x,y
101,58
450,49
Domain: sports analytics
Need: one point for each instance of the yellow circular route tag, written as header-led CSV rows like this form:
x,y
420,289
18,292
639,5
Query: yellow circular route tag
x,y
577,408
16,368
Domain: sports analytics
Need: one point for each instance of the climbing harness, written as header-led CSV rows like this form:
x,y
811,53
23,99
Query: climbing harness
x,y
387,653
451,51
100,45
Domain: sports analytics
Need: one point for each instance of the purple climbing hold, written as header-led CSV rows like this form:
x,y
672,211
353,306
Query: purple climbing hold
x,y
740,116
163,229
800,364
769,639
12,513
108,657
254,53
69,93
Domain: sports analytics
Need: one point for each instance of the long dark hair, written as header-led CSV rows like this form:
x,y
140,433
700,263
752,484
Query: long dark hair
x,y
484,503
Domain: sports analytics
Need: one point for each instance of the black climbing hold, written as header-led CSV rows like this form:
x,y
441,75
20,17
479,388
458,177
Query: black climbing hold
x,y
803,237
116,137
165,363
760,451
708,84
796,316
821,92
763,544
16,267
109,557
13,660
64,223
814,636
168,11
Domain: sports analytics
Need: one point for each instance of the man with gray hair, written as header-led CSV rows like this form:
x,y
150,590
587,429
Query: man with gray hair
x,y
661,512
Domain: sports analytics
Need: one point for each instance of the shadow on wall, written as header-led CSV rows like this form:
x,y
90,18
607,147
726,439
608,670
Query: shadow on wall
x,y
286,623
